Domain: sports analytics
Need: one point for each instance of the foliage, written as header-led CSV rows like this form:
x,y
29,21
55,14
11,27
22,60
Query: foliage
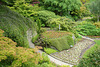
x,y
97,24
44,16
1,33
15,26
8,2
88,29
43,30
65,66
91,57
35,38
62,43
95,8
49,50
84,1
45,58
65,7
16,56
11,2
24,8
84,11
12,56
65,23
61,40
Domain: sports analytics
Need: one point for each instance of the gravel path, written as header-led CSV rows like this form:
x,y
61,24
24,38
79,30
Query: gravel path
x,y
72,56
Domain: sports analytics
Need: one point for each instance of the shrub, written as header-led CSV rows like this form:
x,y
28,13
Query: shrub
x,y
43,30
62,43
35,38
65,23
25,8
44,16
49,50
88,29
61,40
13,56
45,58
15,26
97,24
65,7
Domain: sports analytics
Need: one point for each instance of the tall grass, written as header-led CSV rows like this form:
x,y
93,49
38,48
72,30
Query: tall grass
x,y
15,26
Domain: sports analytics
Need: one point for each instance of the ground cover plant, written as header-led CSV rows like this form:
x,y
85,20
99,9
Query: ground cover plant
x,y
15,26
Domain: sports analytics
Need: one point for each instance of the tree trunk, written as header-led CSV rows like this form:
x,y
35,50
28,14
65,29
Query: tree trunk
x,y
98,18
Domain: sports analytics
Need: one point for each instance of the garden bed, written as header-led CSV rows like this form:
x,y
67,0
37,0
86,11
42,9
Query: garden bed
x,y
61,40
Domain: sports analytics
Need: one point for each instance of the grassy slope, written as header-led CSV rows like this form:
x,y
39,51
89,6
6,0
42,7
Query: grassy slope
x,y
93,48
15,26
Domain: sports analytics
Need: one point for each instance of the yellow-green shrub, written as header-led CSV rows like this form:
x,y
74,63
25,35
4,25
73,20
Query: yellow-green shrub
x,y
97,24
17,55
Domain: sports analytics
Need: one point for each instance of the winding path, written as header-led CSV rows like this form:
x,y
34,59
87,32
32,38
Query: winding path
x,y
59,61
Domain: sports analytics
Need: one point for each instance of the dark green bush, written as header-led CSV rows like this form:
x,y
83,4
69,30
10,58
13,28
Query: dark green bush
x,y
15,26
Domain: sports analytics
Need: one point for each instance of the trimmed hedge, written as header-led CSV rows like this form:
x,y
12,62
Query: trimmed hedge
x,y
15,26
62,43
